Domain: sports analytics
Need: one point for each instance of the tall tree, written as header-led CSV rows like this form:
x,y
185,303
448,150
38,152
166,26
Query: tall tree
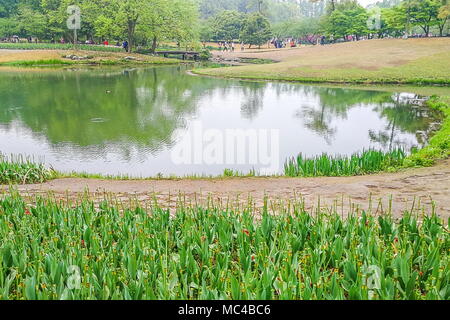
x,y
387,3
256,30
31,23
332,4
8,8
227,25
129,12
443,16
306,28
258,5
395,19
184,22
169,20
348,18
423,13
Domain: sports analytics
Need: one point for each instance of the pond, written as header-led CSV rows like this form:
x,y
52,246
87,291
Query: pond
x,y
163,121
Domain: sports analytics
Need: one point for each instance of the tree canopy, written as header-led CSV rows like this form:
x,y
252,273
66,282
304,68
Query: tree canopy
x,y
256,30
137,21
186,22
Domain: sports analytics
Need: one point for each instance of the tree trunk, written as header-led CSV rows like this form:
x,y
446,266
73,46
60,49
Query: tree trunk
x,y
426,29
154,44
441,27
131,28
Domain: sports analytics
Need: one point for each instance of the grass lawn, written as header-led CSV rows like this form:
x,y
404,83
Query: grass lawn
x,y
411,61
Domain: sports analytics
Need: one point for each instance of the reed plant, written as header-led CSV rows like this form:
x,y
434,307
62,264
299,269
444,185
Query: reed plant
x,y
19,169
366,162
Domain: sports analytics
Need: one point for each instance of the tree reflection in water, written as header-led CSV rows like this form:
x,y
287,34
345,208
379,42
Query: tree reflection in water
x,y
120,118
401,115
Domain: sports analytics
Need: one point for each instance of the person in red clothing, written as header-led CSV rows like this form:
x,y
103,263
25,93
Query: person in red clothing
x,y
106,43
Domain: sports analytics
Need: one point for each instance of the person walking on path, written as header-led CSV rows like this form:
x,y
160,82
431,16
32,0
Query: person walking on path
x,y
125,45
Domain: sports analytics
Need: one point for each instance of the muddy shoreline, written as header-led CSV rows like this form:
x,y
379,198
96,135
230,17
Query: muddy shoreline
x,y
421,189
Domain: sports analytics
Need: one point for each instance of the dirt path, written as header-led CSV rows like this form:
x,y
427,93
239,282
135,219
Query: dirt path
x,y
415,187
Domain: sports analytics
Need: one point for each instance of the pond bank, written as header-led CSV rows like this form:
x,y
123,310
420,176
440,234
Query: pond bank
x,y
76,57
404,186
418,188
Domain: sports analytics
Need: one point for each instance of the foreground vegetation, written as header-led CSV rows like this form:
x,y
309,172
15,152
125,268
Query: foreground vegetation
x,y
17,169
56,250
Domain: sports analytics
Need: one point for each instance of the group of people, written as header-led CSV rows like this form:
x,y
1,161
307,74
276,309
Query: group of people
x,y
31,40
61,40
283,43
292,42
124,44
13,39
226,46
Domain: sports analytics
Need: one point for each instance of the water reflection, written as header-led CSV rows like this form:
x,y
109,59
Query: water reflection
x,y
403,117
128,120
254,99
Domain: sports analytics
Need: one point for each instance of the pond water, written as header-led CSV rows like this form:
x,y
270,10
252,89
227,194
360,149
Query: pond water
x,y
161,120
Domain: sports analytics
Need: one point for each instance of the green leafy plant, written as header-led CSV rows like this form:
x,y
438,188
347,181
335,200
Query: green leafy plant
x,y
16,169
439,145
102,250
370,161
205,54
